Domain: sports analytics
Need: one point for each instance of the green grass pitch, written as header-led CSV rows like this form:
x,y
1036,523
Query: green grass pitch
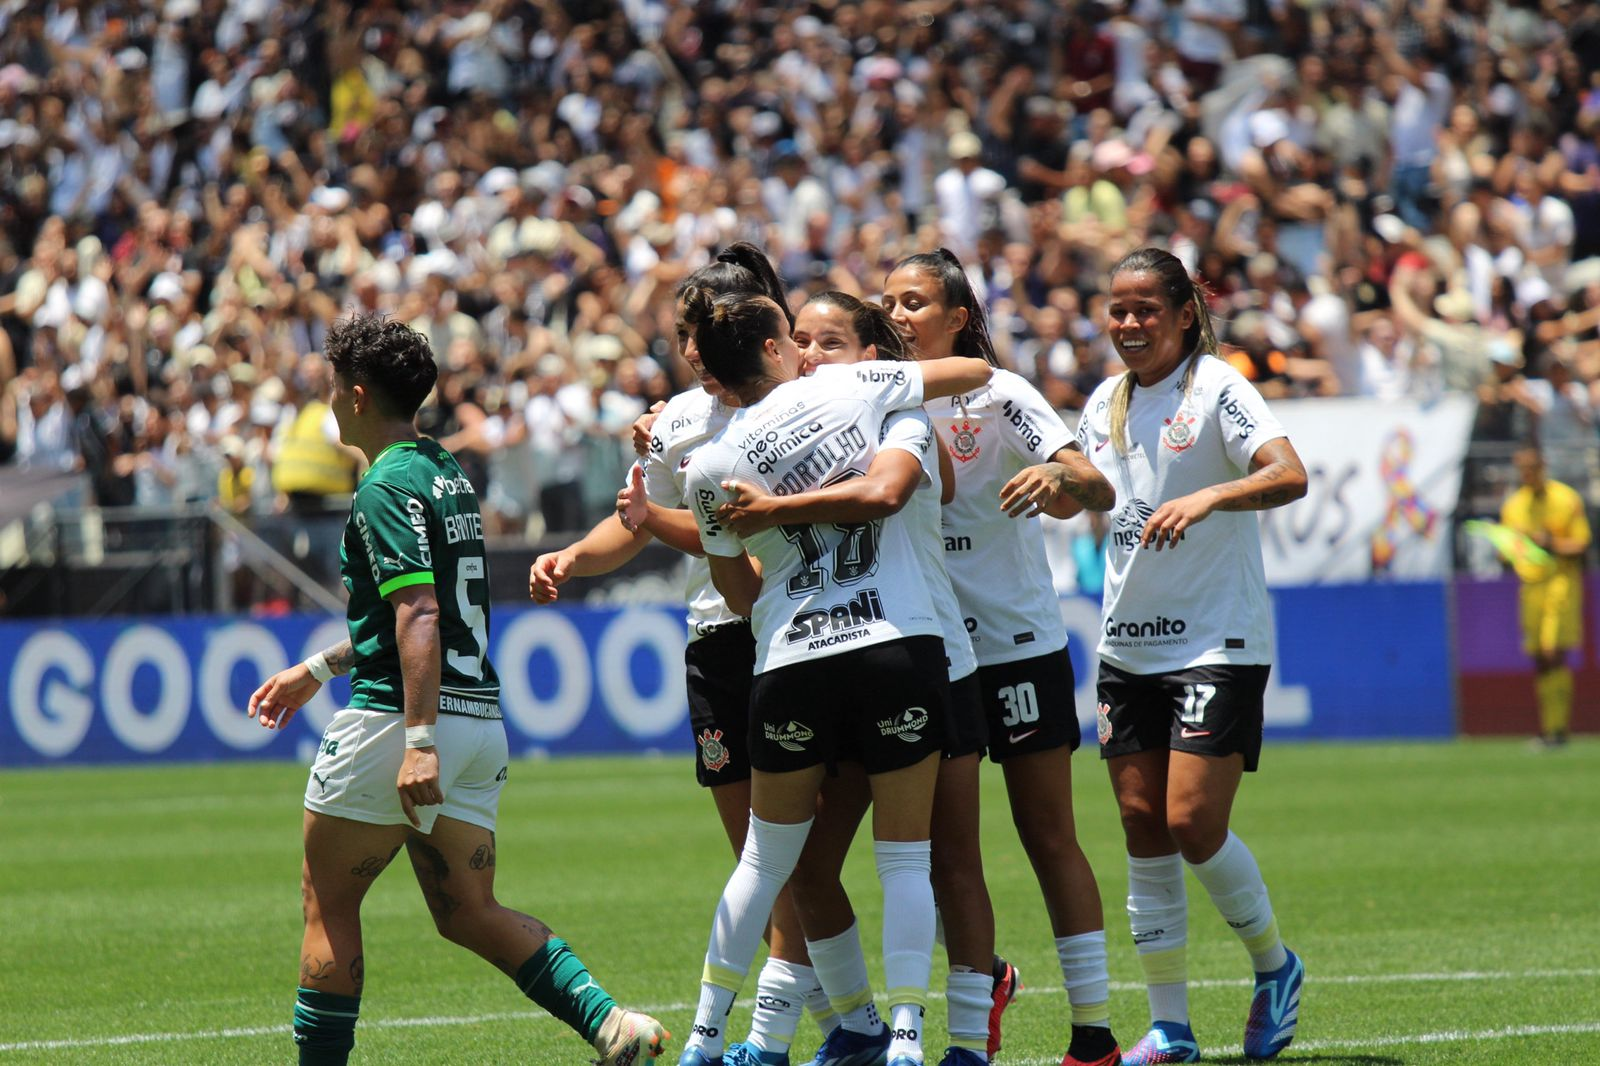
x,y
1443,896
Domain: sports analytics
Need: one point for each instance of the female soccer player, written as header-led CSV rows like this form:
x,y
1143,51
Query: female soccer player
x,y
721,650
840,608
997,436
834,328
1186,640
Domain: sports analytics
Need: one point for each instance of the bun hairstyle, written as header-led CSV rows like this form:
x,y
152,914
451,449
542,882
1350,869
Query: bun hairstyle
x,y
871,323
740,267
731,331
973,340
1200,338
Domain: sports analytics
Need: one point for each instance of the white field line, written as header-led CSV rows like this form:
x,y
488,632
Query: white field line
x,y
1444,1036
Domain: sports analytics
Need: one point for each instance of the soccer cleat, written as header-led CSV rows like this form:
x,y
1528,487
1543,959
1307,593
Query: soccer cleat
x,y
1274,1009
1165,1042
1007,983
905,1060
1111,1058
1097,1046
746,1055
844,1047
960,1056
693,1056
628,1037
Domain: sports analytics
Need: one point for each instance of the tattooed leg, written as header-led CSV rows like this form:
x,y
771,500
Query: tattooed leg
x,y
342,859
455,867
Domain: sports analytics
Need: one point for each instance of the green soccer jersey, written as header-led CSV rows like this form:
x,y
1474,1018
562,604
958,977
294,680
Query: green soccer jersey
x,y
415,521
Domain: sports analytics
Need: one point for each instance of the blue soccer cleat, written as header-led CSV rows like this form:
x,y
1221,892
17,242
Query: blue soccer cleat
x,y
695,1057
844,1047
1165,1042
906,1060
747,1055
1274,1009
960,1056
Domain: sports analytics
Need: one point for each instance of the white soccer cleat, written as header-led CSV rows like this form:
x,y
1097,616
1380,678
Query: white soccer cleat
x,y
628,1037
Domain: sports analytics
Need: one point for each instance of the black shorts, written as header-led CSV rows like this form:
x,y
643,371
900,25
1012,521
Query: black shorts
x,y
719,666
884,706
1031,705
965,733
1206,710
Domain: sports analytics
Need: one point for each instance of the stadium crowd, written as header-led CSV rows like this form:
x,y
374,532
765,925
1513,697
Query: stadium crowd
x,y
1388,198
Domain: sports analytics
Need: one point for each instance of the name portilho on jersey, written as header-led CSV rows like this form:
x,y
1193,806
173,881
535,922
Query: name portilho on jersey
x,y
828,454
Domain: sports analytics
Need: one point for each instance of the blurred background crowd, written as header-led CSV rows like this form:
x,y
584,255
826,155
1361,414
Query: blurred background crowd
x,y
1389,198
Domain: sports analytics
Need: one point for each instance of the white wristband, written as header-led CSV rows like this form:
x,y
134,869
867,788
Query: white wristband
x,y
419,736
318,665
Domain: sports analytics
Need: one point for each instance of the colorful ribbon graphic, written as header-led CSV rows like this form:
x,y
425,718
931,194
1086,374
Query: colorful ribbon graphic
x,y
1406,507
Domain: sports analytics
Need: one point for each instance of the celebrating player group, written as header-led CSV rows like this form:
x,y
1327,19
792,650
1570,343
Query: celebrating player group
x,y
870,612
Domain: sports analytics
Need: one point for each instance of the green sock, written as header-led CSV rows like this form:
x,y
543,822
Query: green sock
x,y
325,1027
557,980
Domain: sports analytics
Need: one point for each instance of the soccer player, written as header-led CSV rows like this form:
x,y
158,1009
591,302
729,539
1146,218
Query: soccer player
x,y
1186,637
1013,456
418,758
841,609
720,656
1551,515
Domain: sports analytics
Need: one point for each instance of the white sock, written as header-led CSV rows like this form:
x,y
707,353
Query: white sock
x,y
841,969
969,995
906,1024
780,1000
770,853
1158,913
817,1002
1234,881
903,867
1083,971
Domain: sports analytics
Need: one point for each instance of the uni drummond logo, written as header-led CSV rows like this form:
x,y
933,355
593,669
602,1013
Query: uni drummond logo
x,y
907,725
791,736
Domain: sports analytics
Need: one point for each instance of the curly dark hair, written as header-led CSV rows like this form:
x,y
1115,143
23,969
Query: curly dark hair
x,y
388,358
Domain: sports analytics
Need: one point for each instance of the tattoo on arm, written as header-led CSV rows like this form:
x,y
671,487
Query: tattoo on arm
x,y
1266,490
1094,493
341,657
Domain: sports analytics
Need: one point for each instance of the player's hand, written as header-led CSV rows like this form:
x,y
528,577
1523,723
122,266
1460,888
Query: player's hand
x,y
282,694
748,510
1034,489
1166,526
419,782
633,507
642,427
546,575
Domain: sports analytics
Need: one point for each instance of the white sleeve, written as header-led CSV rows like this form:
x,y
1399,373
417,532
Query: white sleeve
x,y
911,431
1028,424
887,385
661,485
1245,419
705,493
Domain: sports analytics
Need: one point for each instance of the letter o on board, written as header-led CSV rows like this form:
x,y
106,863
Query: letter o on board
x,y
642,716
154,731
241,642
558,716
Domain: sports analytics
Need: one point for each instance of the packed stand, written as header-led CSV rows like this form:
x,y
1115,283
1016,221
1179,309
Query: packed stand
x,y
1385,200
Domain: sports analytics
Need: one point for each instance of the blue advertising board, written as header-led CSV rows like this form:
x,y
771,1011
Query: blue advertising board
x,y
1355,661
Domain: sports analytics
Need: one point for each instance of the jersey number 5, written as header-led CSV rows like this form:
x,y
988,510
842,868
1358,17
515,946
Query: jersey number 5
x,y
473,616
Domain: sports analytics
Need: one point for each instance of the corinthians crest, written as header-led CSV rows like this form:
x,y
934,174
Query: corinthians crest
x,y
1179,434
964,443
712,752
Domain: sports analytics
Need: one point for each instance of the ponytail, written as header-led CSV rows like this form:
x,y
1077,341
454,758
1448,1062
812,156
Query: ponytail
x,y
740,267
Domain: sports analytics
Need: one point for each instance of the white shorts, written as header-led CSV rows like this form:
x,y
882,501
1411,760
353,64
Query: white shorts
x,y
359,760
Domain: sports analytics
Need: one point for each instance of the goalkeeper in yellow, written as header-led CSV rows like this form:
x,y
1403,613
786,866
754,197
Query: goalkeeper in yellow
x,y
1552,516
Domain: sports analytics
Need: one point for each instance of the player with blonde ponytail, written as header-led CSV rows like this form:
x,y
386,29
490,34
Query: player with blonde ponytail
x,y
1184,658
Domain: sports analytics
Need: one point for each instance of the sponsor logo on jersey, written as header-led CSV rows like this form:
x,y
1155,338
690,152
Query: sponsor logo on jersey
x,y
713,755
1102,722
873,375
907,725
1127,525
456,486
706,499
1180,433
1230,409
1189,734
465,526
791,736
365,532
419,523
1023,422
958,544
964,441
1161,626
836,625
766,450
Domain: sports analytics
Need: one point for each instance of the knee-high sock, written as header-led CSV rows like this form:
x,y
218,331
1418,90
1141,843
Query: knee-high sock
x,y
556,979
780,1000
1158,914
969,996
325,1027
1554,688
908,921
1083,971
841,969
1234,881
770,853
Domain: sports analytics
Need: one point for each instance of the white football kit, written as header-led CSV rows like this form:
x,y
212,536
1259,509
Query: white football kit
x,y
687,421
830,588
997,564
1203,602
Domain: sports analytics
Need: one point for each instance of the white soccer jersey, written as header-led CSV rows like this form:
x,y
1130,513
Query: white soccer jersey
x,y
1205,601
830,588
997,563
688,421
912,431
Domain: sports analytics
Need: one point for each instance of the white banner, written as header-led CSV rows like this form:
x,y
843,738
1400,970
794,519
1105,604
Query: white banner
x,y
1385,478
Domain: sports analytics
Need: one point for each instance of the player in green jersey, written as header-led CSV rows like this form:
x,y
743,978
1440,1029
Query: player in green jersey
x,y
419,756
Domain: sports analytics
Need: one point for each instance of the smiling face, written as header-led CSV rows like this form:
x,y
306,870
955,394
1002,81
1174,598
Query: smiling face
x,y
691,355
823,333
1146,330
915,299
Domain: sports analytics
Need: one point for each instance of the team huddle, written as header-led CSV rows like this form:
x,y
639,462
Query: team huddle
x,y
870,611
